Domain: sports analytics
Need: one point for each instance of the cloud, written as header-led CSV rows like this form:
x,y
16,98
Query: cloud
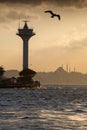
x,y
61,3
12,14
72,3
12,9
76,45
73,46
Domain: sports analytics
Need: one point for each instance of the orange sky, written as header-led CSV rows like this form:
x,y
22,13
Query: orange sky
x,y
55,43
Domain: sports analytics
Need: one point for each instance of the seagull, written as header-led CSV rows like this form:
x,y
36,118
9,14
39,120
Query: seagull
x,y
52,14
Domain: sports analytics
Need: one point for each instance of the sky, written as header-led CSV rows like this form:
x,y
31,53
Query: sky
x,y
56,43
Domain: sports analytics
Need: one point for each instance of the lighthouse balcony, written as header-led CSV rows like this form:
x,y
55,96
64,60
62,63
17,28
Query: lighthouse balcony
x,y
25,32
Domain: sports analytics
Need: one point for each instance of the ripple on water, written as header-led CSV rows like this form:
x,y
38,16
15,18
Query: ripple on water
x,y
43,109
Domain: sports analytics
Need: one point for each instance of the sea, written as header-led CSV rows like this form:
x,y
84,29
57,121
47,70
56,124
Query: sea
x,y
51,107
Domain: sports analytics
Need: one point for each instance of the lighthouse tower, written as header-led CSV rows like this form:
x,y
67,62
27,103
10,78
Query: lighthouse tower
x,y
26,75
25,33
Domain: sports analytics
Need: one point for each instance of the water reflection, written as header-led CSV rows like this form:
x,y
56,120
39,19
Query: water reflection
x,y
64,119
51,109
44,119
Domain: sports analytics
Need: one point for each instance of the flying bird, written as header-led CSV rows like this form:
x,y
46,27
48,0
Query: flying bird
x,y
52,14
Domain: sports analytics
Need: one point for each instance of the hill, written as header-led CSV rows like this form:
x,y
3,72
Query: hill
x,y
59,76
11,73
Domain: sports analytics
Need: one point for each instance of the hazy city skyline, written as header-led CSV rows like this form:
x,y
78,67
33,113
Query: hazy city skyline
x,y
55,43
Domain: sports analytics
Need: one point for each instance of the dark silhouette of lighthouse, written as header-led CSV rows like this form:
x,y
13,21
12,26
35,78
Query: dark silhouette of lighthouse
x,y
25,33
26,75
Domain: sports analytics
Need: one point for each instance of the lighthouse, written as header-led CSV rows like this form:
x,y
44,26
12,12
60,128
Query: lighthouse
x,y
25,33
26,75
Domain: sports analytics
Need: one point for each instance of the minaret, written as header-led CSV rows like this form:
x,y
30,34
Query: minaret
x,y
25,33
67,67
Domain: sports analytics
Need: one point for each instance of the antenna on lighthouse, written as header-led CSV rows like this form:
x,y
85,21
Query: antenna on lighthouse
x,y
25,21
19,22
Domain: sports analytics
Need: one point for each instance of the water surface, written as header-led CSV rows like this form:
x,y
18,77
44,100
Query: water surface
x,y
48,108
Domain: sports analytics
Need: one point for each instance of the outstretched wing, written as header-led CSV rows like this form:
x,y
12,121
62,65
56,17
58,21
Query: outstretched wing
x,y
59,17
49,11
